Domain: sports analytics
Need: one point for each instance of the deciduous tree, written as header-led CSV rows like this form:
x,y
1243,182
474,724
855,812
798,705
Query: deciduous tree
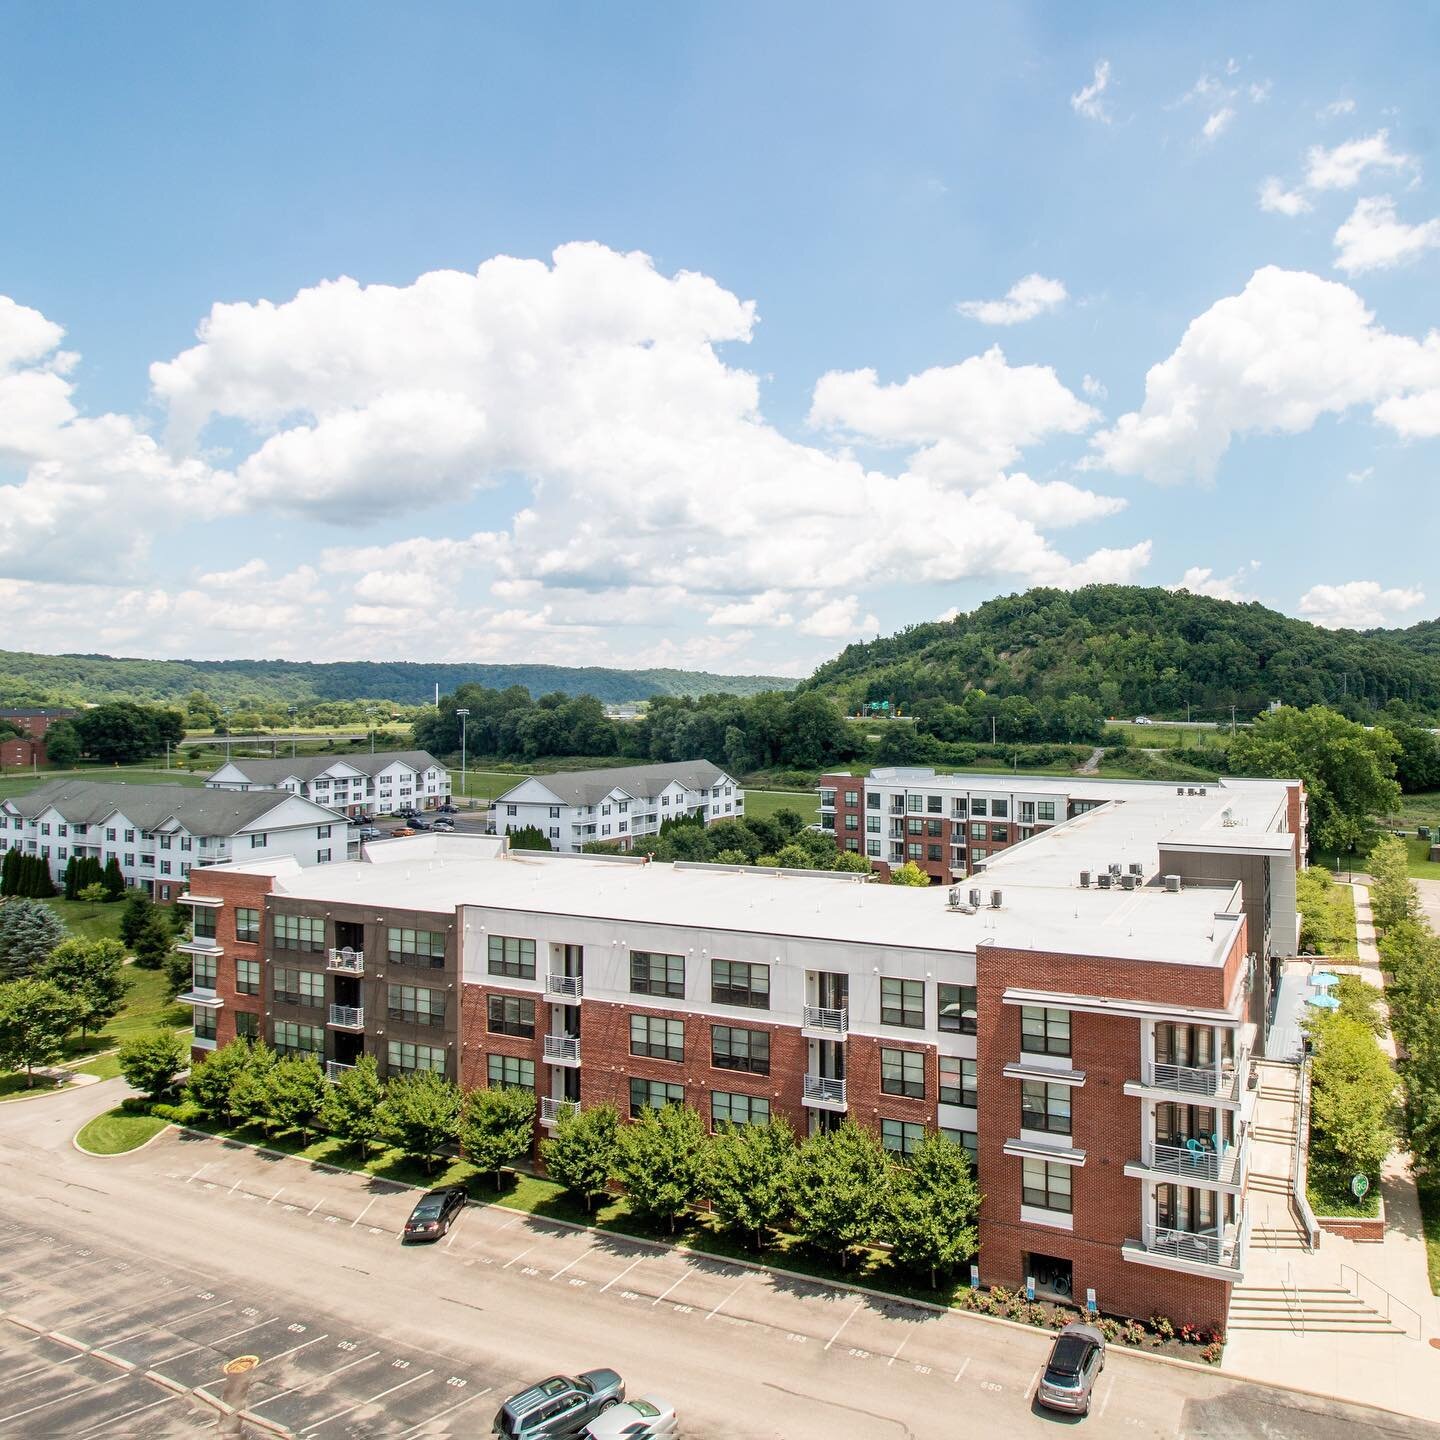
x,y
497,1127
352,1110
153,1062
35,1018
421,1116
660,1161
295,1094
212,1081
93,973
932,1209
581,1153
841,1180
748,1174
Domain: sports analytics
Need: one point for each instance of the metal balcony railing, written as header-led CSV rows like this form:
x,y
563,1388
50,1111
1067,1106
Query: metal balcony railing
x,y
1204,1247
334,1070
1192,1079
820,1017
1201,1162
552,1110
562,1047
346,961
571,987
348,1017
825,1090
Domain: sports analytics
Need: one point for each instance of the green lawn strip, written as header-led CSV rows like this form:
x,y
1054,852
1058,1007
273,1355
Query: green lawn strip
x,y
1329,918
13,1086
762,804
1422,867
1430,1218
103,1067
117,1131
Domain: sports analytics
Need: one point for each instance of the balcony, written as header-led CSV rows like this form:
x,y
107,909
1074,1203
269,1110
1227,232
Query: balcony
x,y
203,998
200,945
1217,1252
334,1070
820,1023
1219,1082
1202,1163
562,1049
564,989
824,1093
346,962
347,1017
552,1110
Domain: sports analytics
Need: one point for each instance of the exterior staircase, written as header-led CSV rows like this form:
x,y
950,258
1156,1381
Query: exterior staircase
x,y
1305,1310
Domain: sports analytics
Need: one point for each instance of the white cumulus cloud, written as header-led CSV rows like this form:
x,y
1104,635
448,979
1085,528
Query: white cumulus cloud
x,y
1217,123
1275,198
1202,580
1375,238
1343,166
1089,101
1028,297
1358,604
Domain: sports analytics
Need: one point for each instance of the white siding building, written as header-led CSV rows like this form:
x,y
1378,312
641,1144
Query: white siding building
x,y
573,807
353,784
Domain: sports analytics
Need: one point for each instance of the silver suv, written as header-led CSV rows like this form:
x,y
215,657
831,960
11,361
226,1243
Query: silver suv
x,y
558,1408
1076,1360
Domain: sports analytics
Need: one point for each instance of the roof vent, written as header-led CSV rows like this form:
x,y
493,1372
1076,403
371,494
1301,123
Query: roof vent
x,y
1172,884
1127,882
976,897
1084,879
1190,790
996,897
1105,880
954,897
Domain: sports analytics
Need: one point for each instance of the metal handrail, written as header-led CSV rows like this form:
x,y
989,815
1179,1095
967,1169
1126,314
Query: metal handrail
x,y
1192,1079
820,1017
347,1015
571,986
822,1087
1389,1298
553,1109
334,1069
1299,1169
562,1047
1298,1309
1205,1164
350,962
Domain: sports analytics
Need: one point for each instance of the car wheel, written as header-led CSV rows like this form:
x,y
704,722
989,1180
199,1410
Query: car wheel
x,y
610,1404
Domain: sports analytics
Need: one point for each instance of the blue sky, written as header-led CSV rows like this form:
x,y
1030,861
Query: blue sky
x,y
749,385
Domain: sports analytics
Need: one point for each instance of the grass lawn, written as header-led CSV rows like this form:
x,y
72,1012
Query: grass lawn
x,y
762,804
147,1007
1341,1202
483,784
22,782
117,1131
1329,914
89,922
13,1086
1422,867
1430,1214
1160,735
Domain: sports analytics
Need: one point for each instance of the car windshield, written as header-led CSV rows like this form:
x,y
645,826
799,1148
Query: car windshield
x,y
582,1384
427,1209
1069,1356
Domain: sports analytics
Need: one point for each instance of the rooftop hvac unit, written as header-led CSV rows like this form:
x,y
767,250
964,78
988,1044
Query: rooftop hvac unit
x,y
1172,884
954,897
996,896
1084,879
1190,790
1136,868
1201,790
1179,789
1105,880
1127,882
976,897
1114,867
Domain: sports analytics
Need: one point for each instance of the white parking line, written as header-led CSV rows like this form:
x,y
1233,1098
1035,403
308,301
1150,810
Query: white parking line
x,y
275,1196
151,1329
40,1369
898,1349
210,1344
622,1274
964,1366
1109,1391
329,1375
205,1166
520,1256
1034,1381
588,1251
236,1185
268,1359
440,1415
124,1415
316,1206
56,1400
669,1288
361,1215
310,1429
731,1296
843,1324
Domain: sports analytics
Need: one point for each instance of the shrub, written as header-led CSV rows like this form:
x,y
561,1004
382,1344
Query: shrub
x,y
1212,1352
1162,1326
1133,1333
1110,1329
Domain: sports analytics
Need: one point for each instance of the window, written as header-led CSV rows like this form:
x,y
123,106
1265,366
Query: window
x,y
957,1006
979,832
129,859
1045,1107
968,1141
899,1137
415,947
852,822
415,1004
322,832
203,922
872,799
728,1109
654,1095
1045,1185
247,1025
299,987
109,834
511,1015
935,852
554,812
957,1081
298,932
511,810
510,1070
513,957
872,848
734,1049
1000,833
915,851
202,972
1000,809
657,974
1044,809
204,1024
872,824
292,1038
914,826
247,977
852,797
977,805
915,803
657,1037
902,1072
933,828
934,804
1044,1031
736,982
978,854
902,1002
257,842
401,1057
129,835
322,857
247,925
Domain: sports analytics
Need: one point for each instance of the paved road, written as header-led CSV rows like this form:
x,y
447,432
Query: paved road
x,y
175,1258
1430,900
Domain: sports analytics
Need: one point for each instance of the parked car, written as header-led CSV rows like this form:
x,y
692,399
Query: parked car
x,y
1142,720
442,824
558,1408
434,1213
369,832
648,1418
399,831
446,809
416,823
1076,1360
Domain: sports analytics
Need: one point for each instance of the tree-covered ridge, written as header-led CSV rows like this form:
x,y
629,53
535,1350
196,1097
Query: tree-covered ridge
x,y
1138,650
30,679
1423,639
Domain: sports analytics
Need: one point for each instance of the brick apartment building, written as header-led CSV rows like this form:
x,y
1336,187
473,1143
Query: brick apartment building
x,y
1081,1020
29,750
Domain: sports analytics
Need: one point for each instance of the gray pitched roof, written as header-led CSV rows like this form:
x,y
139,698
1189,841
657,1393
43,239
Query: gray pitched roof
x,y
643,782
307,767
201,812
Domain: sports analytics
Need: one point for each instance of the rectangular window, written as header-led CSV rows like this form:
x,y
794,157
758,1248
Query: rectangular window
x,y
247,977
734,1049
247,1025
969,1141
977,854
298,932
513,957
902,1072
653,1094
957,1081
510,1070
322,857
872,799
934,804
1044,809
737,982
402,1058
202,972
872,848
1000,809
247,925
957,1005
129,835
204,1024
1045,1185
1000,834
257,842
977,805
415,947
915,803
935,852
322,832
872,824
933,829
979,832
1044,1031
293,1038
852,822
900,1137
915,851
728,1109
109,834
914,826
415,1004
299,987
852,797
657,1037
652,974
203,922
1045,1107
511,1015
902,1002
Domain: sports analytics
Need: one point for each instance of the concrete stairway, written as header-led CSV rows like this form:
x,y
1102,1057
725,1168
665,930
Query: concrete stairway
x,y
1317,1309
1277,1237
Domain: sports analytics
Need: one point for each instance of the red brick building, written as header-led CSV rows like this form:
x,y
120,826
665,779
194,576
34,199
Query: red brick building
x,y
28,751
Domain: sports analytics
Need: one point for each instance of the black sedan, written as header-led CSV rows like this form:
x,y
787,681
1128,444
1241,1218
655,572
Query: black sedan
x,y
435,1213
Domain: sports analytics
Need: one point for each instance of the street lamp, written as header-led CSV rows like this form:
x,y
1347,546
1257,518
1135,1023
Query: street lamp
x,y
464,789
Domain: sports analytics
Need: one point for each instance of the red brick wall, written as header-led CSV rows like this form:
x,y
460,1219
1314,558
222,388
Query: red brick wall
x,y
476,1041
868,1103
18,753
235,890
1292,814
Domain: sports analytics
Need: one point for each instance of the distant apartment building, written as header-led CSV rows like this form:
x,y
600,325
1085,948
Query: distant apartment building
x,y
158,833
29,750
382,783
572,807
1081,1020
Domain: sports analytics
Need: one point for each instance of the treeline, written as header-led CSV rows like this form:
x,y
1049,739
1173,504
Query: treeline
x,y
117,733
1137,650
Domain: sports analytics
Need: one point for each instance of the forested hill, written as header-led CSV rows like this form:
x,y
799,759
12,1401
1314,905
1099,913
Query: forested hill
x,y
1141,651
27,679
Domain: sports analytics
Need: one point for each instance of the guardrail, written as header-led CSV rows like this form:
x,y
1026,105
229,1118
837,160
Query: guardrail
x,y
1202,1163
562,1047
572,987
347,1017
552,1110
1389,1299
348,962
1299,1182
820,1017
823,1088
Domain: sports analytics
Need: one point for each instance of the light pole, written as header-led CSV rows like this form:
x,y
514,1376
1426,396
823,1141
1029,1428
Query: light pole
x,y
370,716
464,789
292,732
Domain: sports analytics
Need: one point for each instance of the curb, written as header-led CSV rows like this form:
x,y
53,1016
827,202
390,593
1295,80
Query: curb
x,y
119,1154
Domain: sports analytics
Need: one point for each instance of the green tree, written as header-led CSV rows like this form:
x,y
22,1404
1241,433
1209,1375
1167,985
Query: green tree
x,y
114,880
295,1094
62,745
153,1063
933,1209
1352,1101
352,1111
29,931
909,874
747,1176
213,1079
155,943
94,896
420,1115
580,1155
249,1089
93,973
529,837
137,911
853,862
841,1182
497,1127
35,1018
660,1162
10,873
1393,896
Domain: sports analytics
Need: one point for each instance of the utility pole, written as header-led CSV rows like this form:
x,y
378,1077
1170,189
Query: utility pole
x,y
464,788
1232,719
992,729
292,732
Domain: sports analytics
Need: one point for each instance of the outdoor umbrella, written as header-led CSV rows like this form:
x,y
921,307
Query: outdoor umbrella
x,y
1323,1002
